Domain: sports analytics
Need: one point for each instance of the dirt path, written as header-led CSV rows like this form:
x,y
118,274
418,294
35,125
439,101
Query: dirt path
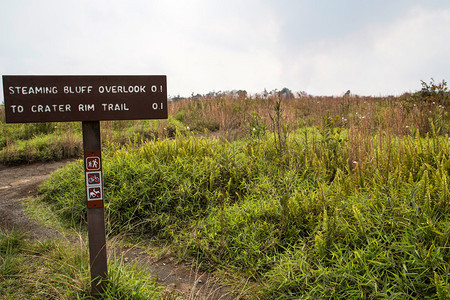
x,y
19,182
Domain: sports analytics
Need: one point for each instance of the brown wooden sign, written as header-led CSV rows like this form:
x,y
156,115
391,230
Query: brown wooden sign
x,y
89,99
84,98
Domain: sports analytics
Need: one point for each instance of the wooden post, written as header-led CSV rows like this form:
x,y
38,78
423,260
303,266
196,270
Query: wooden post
x,y
95,211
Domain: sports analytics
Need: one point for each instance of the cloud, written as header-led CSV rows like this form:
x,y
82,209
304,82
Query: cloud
x,y
378,59
321,47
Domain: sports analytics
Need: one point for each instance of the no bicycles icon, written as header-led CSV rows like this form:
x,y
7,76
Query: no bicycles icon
x,y
93,178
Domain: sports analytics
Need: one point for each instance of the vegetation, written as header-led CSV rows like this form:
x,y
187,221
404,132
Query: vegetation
x,y
26,143
306,226
55,269
312,197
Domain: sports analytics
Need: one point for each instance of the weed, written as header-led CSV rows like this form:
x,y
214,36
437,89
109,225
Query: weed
x,y
59,270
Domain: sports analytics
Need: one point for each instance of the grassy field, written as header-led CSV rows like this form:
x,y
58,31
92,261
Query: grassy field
x,y
312,197
57,269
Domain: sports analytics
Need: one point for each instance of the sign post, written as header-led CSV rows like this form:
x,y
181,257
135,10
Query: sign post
x,y
89,99
95,212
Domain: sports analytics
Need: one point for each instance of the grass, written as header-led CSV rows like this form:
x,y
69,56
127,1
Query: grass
x,y
313,197
56,269
27,143
238,118
47,269
315,226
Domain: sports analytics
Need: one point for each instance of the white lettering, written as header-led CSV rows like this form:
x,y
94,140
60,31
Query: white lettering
x,y
77,89
30,90
121,89
86,107
115,107
19,108
50,108
155,106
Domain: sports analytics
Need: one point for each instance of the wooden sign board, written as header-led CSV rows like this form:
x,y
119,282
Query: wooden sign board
x,y
84,98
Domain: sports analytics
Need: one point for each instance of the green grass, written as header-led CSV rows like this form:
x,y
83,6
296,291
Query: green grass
x,y
27,143
305,223
42,148
304,205
55,269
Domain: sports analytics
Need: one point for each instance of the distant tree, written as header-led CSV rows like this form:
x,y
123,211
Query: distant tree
x,y
433,93
196,96
211,94
242,93
176,98
286,93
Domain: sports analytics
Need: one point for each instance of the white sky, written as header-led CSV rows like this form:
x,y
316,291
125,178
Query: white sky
x,y
372,47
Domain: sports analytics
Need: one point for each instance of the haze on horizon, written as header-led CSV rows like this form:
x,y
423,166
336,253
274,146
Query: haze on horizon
x,y
321,47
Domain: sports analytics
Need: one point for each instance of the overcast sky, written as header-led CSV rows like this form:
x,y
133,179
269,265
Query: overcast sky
x,y
371,47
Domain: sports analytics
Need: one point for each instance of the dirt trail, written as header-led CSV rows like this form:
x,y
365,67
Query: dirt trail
x,y
19,182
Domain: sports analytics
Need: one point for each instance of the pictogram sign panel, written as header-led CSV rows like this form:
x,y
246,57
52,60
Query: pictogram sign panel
x,y
93,163
94,181
94,193
93,178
